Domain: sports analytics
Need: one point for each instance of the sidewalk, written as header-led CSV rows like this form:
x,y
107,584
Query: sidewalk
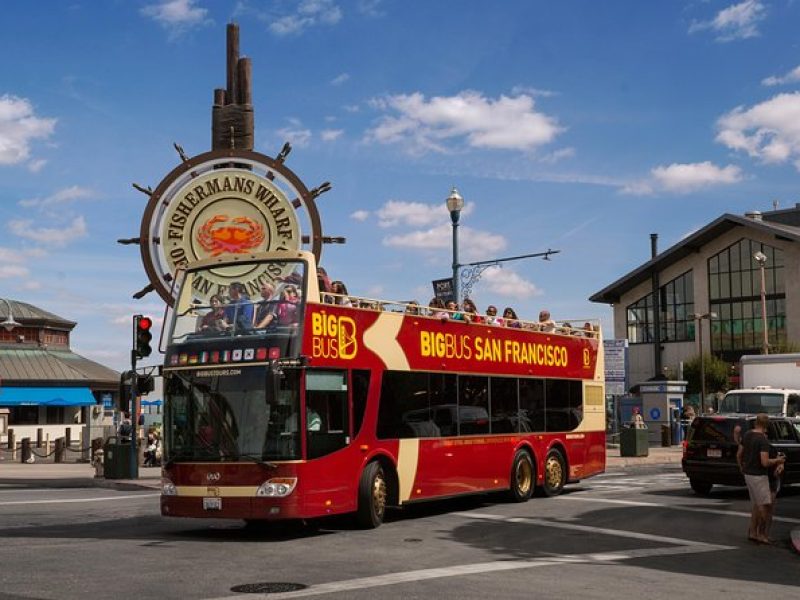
x,y
81,475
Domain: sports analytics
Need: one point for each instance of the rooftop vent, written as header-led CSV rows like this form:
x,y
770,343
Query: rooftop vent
x,y
753,214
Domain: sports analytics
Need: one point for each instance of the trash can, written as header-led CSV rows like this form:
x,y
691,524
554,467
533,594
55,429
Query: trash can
x,y
633,442
116,460
666,436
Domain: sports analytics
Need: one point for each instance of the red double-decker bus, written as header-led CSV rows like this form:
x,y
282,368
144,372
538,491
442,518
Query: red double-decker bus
x,y
288,407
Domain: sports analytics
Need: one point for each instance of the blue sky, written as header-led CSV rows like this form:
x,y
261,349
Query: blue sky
x,y
576,126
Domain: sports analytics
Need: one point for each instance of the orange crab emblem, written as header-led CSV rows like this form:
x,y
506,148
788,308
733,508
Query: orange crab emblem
x,y
220,234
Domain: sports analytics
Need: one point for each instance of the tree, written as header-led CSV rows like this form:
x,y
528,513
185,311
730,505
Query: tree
x,y
716,372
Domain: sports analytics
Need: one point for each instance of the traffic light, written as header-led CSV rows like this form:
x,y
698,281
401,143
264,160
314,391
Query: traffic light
x,y
142,336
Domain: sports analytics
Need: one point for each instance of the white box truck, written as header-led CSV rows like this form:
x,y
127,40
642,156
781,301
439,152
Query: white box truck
x,y
773,370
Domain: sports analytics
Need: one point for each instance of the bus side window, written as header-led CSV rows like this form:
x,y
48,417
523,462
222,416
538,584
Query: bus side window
x,y
360,391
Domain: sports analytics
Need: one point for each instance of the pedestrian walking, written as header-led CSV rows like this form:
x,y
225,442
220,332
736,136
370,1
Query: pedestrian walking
x,y
754,462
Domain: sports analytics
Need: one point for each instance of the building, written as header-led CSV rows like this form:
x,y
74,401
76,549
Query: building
x,y
43,384
711,279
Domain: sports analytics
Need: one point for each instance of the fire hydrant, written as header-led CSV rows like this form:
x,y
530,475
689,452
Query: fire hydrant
x,y
97,463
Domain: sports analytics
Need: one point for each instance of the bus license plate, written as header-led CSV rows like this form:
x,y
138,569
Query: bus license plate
x,y
212,503
712,453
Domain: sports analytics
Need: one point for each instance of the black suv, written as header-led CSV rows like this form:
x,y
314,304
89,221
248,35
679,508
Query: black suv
x,y
709,453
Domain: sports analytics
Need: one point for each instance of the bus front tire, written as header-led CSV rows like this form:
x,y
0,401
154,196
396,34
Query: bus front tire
x,y
701,488
555,473
522,477
371,496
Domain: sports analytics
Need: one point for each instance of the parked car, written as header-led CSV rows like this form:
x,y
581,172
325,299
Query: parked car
x,y
709,452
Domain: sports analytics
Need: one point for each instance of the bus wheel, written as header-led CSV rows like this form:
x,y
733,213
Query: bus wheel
x,y
371,496
555,473
521,477
701,488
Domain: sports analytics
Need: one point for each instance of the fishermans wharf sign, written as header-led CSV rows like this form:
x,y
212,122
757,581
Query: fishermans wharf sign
x,y
231,200
213,205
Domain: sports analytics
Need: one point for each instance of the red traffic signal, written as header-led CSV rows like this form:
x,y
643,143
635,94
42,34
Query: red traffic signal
x,y
142,336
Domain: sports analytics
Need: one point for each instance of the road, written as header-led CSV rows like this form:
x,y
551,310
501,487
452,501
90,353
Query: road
x,y
626,534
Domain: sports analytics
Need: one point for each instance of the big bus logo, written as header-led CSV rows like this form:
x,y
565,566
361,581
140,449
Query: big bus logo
x,y
333,336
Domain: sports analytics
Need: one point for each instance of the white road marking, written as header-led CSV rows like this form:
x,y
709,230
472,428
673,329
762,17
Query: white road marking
x,y
680,546
78,500
711,511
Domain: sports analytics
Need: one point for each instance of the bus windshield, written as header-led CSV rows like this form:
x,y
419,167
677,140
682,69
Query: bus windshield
x,y
233,414
262,301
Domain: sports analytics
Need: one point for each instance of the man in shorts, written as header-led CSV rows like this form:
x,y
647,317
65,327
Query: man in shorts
x,y
754,462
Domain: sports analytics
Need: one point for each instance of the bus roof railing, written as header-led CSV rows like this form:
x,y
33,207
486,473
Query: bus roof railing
x,y
564,327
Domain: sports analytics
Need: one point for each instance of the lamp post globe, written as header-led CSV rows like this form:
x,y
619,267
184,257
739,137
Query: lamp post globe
x,y
455,203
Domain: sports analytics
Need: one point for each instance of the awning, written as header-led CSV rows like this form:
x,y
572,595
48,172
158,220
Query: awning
x,y
37,396
152,402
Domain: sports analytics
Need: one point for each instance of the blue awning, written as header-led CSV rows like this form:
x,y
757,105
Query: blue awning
x,y
34,396
152,402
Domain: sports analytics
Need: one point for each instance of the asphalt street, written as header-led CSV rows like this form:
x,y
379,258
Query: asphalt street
x,y
632,532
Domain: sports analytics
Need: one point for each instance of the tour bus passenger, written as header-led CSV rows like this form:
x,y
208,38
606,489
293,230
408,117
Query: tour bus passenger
x,y
546,324
566,328
214,320
412,308
470,312
588,330
340,297
492,318
437,309
453,310
287,307
510,317
265,311
325,286
239,310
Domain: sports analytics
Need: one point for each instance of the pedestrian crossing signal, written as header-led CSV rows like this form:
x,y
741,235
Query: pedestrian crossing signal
x,y
142,336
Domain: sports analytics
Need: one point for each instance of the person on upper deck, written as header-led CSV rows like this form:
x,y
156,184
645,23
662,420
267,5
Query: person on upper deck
x,y
288,306
546,324
470,312
453,311
214,320
491,316
340,290
239,310
265,311
412,308
437,309
510,318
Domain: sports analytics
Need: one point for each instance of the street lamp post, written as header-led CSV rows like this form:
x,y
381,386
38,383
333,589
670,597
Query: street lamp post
x,y
699,318
761,259
9,322
455,203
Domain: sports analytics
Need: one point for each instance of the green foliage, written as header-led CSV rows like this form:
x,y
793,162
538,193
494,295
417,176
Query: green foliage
x,y
716,373
786,347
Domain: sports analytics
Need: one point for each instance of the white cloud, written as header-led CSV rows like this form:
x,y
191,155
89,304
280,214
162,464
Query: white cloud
x,y
473,243
769,131
8,271
340,79
329,135
176,15
684,178
297,136
62,196
309,13
360,215
469,118
19,126
49,236
558,155
36,165
415,214
739,21
370,8
792,76
507,283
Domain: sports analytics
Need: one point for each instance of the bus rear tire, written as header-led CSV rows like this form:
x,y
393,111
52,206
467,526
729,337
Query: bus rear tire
x,y
701,488
522,477
372,494
555,473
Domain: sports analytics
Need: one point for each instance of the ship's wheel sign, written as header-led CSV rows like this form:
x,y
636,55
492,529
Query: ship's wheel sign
x,y
226,202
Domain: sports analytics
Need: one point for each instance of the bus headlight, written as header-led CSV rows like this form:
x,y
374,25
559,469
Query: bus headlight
x,y
279,487
168,488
